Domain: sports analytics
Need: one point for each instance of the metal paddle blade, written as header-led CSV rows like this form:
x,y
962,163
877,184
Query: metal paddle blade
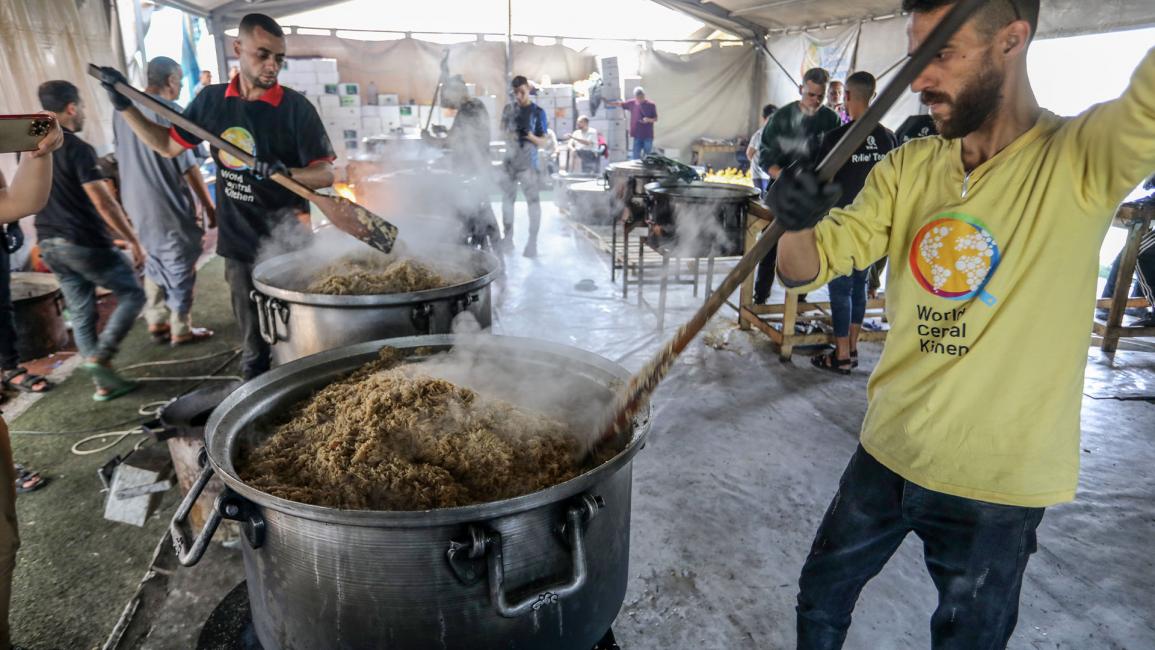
x,y
359,222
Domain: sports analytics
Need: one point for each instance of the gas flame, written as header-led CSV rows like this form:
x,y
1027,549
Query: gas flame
x,y
345,190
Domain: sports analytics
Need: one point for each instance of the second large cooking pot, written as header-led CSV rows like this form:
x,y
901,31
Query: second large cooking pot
x,y
698,219
543,571
297,323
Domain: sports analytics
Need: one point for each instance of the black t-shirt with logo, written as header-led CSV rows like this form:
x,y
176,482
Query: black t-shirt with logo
x,y
915,126
70,214
281,124
852,176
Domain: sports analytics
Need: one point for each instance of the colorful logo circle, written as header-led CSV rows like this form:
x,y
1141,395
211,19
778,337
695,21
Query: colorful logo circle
x,y
954,257
242,138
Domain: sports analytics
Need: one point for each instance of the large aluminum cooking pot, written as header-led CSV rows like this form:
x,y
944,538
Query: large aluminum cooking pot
x,y
298,324
547,570
699,218
627,183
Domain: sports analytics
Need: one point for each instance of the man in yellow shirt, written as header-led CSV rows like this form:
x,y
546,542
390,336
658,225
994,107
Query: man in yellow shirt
x,y
972,427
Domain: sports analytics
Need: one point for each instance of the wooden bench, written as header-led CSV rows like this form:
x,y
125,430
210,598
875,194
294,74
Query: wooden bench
x,y
1136,218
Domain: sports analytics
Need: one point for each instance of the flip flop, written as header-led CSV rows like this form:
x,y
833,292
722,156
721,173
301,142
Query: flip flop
x,y
196,335
30,382
23,476
160,336
118,391
829,362
108,379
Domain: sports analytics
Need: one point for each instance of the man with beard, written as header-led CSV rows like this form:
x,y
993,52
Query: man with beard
x,y
280,128
995,221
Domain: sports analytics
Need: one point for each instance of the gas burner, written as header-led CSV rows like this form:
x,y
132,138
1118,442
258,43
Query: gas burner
x,y
230,626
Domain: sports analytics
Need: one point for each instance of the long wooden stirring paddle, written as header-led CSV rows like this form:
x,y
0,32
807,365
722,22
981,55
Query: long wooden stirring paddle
x,y
346,215
633,397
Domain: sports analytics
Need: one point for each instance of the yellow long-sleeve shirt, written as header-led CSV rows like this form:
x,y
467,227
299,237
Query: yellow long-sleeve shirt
x,y
990,292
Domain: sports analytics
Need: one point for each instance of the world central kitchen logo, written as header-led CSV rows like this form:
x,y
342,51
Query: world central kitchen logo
x,y
241,137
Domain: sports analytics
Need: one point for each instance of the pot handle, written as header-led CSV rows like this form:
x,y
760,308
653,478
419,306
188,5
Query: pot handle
x,y
189,554
489,544
269,311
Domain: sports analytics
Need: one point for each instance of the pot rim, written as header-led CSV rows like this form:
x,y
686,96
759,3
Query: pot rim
x,y
269,385
484,260
728,192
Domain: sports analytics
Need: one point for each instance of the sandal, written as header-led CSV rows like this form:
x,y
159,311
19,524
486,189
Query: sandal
x,y
109,383
29,384
195,335
27,481
828,361
160,335
103,394
854,358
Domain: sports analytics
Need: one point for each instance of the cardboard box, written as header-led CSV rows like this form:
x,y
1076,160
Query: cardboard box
x,y
329,103
328,77
350,100
390,117
408,115
345,113
330,88
372,126
345,88
563,126
325,65
389,99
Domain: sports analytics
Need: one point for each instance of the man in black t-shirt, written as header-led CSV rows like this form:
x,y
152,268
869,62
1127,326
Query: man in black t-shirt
x,y
524,124
76,232
848,294
283,132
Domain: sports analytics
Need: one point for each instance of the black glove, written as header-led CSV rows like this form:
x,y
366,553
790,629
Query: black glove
x,y
799,200
108,78
14,237
264,168
523,135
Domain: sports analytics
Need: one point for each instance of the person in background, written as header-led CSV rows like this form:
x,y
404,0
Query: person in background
x,y
28,193
159,194
584,143
233,72
757,174
792,134
1144,284
78,231
284,133
206,80
468,142
525,127
643,116
836,100
848,293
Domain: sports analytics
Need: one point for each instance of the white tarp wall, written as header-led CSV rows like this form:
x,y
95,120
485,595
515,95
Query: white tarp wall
x,y
55,39
715,93
410,67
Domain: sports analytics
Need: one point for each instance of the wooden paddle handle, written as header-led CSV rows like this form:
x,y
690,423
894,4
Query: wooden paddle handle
x,y
183,122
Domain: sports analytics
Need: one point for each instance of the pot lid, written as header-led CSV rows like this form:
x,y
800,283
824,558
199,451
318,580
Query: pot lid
x,y
703,191
29,286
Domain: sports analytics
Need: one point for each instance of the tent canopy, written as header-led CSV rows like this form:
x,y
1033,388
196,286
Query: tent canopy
x,y
761,17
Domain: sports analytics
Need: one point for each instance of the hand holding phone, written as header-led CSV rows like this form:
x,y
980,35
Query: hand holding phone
x,y
39,133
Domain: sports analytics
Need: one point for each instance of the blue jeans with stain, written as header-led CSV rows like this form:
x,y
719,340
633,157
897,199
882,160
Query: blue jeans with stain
x,y
81,270
976,553
642,148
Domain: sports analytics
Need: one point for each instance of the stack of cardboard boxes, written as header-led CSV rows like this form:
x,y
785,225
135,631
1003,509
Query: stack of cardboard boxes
x,y
558,103
610,121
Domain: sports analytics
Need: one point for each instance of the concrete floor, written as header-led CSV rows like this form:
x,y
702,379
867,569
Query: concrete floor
x,y
744,455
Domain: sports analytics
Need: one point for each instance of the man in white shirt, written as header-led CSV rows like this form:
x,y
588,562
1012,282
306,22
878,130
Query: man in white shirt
x,y
584,142
760,176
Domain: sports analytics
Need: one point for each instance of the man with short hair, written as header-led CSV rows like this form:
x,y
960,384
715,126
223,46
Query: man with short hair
x,y
158,192
76,231
848,293
643,116
285,135
972,427
525,125
584,143
836,100
206,80
757,174
792,134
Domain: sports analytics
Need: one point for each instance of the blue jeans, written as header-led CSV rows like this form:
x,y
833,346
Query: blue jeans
x,y
80,270
976,553
642,146
847,302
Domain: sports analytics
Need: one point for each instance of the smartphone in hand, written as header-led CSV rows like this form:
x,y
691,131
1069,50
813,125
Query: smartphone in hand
x,y
23,132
